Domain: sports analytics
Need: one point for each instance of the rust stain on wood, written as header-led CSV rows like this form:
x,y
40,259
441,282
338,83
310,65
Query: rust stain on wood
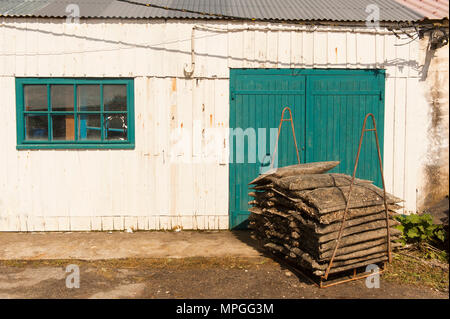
x,y
174,84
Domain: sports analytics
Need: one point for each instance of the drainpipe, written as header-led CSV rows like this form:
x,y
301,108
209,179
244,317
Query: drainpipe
x,y
189,72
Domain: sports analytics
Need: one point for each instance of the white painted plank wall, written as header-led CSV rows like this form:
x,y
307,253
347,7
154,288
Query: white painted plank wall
x,y
142,188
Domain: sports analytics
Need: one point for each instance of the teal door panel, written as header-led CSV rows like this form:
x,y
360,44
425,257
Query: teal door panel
x,y
328,108
336,107
256,106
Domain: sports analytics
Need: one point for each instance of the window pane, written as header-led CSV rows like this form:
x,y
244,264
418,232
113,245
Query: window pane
x,y
115,97
89,127
62,97
63,127
36,127
88,98
35,97
116,127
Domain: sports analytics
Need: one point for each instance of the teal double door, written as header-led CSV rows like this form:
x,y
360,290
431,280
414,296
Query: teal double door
x,y
328,109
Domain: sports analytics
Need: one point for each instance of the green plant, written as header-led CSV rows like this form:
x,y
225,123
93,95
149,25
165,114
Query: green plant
x,y
420,229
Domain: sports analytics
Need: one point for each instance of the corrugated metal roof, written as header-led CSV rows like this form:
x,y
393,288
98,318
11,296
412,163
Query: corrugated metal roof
x,y
283,10
431,9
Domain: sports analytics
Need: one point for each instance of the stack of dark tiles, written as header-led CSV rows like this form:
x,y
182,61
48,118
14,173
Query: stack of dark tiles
x,y
297,213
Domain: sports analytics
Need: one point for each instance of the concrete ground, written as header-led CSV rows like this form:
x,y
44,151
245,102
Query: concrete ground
x,y
115,245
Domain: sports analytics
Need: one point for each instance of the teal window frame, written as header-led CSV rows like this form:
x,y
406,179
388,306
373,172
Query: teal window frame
x,y
22,143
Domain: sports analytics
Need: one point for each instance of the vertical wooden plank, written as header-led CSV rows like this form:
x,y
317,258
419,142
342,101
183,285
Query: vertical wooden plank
x,y
141,155
80,214
10,45
9,204
284,49
272,49
199,109
296,49
308,48
118,223
390,54
154,153
351,49
56,60
201,53
249,48
106,223
81,64
164,160
3,51
172,60
203,168
95,48
131,223
152,223
414,69
221,44
379,50
148,141
128,53
260,48
15,43
53,188
235,47
365,50
185,124
159,94
22,170
320,49
148,150
96,223
173,152
211,160
174,185
216,48
43,40
184,46
38,189
402,52
93,198
68,48
337,49
155,52
111,55
139,32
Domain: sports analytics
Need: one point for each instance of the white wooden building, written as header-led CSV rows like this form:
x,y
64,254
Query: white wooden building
x,y
150,183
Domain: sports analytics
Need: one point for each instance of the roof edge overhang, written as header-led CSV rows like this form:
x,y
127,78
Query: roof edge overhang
x,y
291,21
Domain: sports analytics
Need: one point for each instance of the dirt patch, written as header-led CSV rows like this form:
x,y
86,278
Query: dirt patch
x,y
228,277
417,272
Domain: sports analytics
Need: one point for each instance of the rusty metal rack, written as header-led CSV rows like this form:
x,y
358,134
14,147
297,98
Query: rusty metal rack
x,y
290,119
330,265
319,281
356,275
